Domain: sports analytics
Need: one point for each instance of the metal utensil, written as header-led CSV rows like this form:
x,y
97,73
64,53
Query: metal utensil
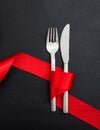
x,y
52,46
64,45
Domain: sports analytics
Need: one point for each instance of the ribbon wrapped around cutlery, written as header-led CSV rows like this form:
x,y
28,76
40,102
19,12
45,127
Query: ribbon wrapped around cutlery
x,y
31,64
60,82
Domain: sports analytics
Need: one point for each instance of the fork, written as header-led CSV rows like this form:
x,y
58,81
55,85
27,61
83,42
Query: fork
x,y
52,45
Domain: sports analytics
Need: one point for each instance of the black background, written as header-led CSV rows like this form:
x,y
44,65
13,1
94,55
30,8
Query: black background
x,y
24,98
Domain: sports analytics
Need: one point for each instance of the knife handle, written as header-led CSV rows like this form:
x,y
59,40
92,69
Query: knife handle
x,y
65,96
65,67
65,102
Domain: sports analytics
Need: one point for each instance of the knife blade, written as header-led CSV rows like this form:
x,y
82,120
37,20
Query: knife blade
x,y
64,46
64,43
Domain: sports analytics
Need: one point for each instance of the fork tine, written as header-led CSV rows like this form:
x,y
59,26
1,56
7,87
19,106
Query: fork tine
x,y
48,34
57,40
51,34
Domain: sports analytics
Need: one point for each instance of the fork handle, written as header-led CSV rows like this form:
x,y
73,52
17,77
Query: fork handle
x,y
53,101
53,62
65,96
53,104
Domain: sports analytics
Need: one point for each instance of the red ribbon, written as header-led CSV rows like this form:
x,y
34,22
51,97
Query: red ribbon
x,y
60,82
41,69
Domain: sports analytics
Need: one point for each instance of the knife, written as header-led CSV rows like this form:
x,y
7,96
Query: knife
x,y
64,46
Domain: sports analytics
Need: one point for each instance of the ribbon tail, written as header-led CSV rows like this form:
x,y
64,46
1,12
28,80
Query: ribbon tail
x,y
5,66
81,110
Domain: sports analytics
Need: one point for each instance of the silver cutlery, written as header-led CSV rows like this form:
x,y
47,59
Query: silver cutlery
x,y
52,46
64,46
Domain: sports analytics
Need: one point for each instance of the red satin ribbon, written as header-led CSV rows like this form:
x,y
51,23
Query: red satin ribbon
x,y
41,69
